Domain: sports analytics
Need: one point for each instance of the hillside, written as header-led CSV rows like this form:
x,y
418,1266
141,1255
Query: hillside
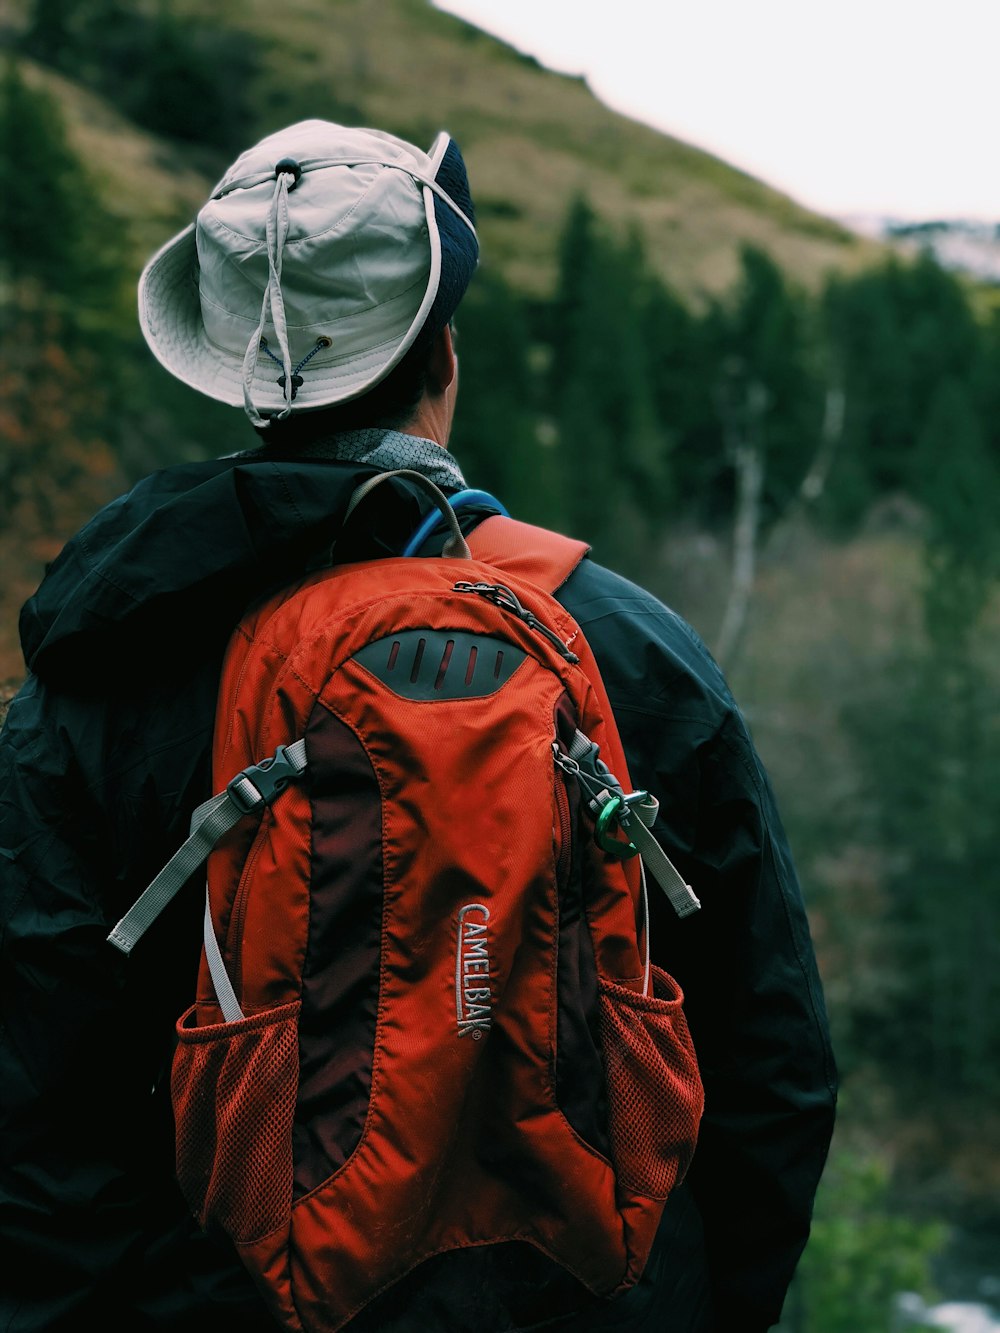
x,y
533,139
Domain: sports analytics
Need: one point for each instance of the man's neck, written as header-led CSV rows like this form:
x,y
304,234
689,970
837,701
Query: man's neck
x,y
429,423
432,419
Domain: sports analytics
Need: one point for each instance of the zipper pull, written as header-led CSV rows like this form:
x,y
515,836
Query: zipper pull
x,y
500,595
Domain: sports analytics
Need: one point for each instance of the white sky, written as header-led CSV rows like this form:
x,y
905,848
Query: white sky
x,y
850,106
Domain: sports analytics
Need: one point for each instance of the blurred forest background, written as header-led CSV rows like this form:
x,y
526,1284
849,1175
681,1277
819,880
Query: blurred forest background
x,y
790,433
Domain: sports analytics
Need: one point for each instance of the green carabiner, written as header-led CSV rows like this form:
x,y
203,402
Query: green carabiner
x,y
603,837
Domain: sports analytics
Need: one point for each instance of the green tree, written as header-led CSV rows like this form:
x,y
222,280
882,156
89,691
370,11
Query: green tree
x,y
861,1254
929,742
55,235
682,367
496,435
612,446
984,382
768,383
52,31
896,333
577,245
182,77
767,401
957,480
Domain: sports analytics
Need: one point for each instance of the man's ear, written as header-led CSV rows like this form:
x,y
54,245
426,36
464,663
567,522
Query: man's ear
x,y
443,363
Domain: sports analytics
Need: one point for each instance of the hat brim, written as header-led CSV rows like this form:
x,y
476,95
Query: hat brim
x,y
170,316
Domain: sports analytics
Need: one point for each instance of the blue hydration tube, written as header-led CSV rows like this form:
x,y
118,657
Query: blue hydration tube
x,y
456,501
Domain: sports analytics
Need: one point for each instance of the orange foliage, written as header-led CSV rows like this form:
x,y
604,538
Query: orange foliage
x,y
55,469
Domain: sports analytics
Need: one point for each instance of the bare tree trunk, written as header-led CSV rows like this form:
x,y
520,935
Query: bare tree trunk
x,y
813,484
749,463
742,403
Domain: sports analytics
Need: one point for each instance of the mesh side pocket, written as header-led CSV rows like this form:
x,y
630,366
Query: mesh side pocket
x,y
234,1087
655,1096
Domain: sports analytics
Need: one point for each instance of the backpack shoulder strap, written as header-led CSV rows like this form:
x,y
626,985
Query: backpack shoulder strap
x,y
546,559
532,553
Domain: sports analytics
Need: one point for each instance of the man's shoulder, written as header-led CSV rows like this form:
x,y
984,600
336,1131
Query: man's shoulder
x,y
650,656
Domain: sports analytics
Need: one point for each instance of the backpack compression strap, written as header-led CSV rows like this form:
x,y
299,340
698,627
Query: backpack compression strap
x,y
247,794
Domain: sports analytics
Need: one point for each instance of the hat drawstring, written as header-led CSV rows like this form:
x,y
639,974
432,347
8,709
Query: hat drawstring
x,y
273,303
297,381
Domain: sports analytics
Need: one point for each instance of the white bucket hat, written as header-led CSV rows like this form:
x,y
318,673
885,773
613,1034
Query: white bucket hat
x,y
313,267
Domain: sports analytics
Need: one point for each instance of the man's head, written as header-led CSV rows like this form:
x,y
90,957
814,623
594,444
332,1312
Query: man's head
x,y
326,259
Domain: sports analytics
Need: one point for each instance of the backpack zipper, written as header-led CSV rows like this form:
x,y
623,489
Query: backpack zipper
x,y
564,857
500,595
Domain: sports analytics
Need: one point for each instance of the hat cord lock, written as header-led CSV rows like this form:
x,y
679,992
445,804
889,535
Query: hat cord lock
x,y
297,380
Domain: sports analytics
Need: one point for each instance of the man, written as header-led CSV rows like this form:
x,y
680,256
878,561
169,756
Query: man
x,y
316,291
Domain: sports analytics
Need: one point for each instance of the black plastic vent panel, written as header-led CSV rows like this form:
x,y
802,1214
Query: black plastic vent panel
x,y
441,663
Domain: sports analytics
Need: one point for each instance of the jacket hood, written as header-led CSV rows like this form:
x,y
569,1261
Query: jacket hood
x,y
165,571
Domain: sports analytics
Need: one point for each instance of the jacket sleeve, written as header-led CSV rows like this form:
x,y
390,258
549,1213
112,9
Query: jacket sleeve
x,y
745,962
87,1200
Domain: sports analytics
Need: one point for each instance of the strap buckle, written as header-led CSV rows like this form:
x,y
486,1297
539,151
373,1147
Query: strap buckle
x,y
260,783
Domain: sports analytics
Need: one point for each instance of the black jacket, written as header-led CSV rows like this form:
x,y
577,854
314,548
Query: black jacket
x,y
103,756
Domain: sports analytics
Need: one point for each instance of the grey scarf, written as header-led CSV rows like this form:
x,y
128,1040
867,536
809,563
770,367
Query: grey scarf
x,y
389,449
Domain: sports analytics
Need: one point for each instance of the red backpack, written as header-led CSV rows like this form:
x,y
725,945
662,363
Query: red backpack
x,y
426,1017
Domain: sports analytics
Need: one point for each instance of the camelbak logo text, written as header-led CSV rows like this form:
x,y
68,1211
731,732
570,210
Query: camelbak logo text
x,y
473,1003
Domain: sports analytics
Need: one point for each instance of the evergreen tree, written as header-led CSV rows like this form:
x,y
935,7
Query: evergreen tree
x,y
51,32
958,482
54,232
768,378
984,382
613,449
577,244
680,370
869,350
896,333
185,78
496,435
767,401
930,748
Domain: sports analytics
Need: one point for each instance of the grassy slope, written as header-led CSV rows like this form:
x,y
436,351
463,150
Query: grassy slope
x,y
532,139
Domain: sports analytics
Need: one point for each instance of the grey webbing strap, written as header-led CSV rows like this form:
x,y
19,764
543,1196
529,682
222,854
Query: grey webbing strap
x,y
209,823
580,745
645,927
682,897
224,992
248,793
456,545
